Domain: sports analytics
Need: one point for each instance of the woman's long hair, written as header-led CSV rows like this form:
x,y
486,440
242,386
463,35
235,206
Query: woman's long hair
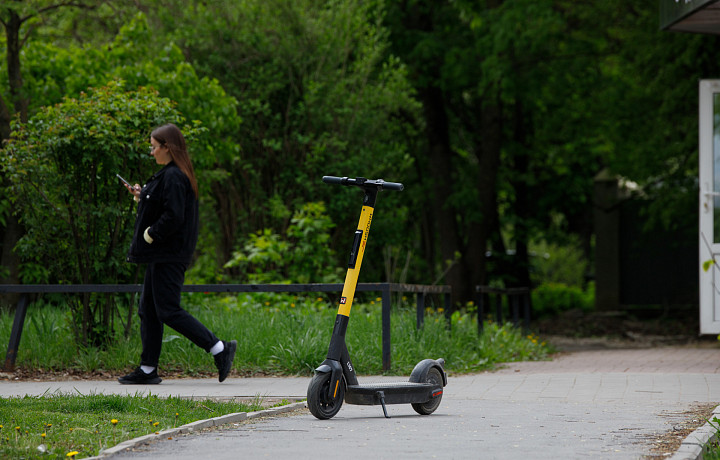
x,y
171,137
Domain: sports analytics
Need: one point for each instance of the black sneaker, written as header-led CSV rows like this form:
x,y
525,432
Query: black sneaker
x,y
138,377
224,359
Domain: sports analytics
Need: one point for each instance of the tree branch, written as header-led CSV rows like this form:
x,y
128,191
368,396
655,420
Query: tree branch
x,y
56,6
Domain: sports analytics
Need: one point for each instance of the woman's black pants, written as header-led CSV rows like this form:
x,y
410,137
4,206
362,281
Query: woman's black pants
x,y
160,305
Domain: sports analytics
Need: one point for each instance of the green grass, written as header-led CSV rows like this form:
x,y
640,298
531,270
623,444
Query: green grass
x,y
276,334
55,426
712,449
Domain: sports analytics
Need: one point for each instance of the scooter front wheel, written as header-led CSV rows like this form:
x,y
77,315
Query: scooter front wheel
x,y
429,407
319,402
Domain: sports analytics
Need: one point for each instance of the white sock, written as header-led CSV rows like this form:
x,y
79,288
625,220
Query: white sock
x,y
147,369
217,348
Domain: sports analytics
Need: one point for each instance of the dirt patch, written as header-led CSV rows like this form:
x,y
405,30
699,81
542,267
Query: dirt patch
x,y
576,330
666,444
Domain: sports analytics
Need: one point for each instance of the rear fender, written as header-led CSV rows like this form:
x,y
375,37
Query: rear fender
x,y
420,372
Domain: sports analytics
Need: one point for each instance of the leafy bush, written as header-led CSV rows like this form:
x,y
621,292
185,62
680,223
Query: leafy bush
x,y
551,299
302,255
61,168
563,264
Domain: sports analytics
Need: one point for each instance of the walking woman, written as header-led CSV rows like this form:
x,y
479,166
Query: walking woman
x,y
166,231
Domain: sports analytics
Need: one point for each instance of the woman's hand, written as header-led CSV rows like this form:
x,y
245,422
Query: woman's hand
x,y
135,190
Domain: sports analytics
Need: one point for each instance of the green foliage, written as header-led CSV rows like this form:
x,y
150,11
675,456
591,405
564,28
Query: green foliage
x,y
303,255
61,167
551,299
707,264
554,263
318,94
53,426
135,57
711,451
290,91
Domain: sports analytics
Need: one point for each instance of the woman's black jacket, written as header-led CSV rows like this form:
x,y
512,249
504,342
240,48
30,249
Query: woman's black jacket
x,y
169,207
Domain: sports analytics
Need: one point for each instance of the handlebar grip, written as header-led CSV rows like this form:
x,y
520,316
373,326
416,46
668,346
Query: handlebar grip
x,y
393,186
334,180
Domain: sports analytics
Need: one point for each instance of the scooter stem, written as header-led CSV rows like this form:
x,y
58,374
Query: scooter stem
x,y
357,252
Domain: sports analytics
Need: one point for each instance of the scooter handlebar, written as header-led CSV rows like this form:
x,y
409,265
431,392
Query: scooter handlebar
x,y
362,182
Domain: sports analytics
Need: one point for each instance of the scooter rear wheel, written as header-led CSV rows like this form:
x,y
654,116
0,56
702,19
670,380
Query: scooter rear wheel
x,y
321,405
429,407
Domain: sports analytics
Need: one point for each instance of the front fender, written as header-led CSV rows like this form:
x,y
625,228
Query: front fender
x,y
334,368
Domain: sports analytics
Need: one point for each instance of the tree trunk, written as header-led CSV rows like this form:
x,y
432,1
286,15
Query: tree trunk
x,y
12,35
440,173
487,152
12,231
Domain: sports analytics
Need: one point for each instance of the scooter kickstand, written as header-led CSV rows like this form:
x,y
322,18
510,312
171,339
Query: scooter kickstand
x,y
381,395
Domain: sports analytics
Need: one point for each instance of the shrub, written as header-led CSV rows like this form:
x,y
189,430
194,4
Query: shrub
x,y
551,299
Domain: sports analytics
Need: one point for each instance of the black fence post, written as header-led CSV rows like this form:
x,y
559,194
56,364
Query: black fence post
x,y
519,304
514,307
498,308
420,309
527,306
386,328
16,333
480,302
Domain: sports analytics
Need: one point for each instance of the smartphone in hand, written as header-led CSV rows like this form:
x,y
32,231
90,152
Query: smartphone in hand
x,y
124,181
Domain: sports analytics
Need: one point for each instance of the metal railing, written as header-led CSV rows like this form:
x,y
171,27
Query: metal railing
x,y
518,301
385,290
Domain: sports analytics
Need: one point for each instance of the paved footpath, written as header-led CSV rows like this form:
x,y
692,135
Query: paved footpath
x,y
604,404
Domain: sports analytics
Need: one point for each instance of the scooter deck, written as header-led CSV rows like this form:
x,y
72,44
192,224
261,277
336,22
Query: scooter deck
x,y
391,393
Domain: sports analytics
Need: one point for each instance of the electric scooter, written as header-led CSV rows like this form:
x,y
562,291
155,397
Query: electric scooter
x,y
335,380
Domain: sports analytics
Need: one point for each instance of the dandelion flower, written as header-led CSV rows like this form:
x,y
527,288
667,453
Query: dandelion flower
x,y
114,421
156,423
72,454
43,435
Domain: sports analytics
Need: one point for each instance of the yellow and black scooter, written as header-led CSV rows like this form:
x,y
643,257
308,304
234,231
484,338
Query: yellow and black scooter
x,y
335,380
